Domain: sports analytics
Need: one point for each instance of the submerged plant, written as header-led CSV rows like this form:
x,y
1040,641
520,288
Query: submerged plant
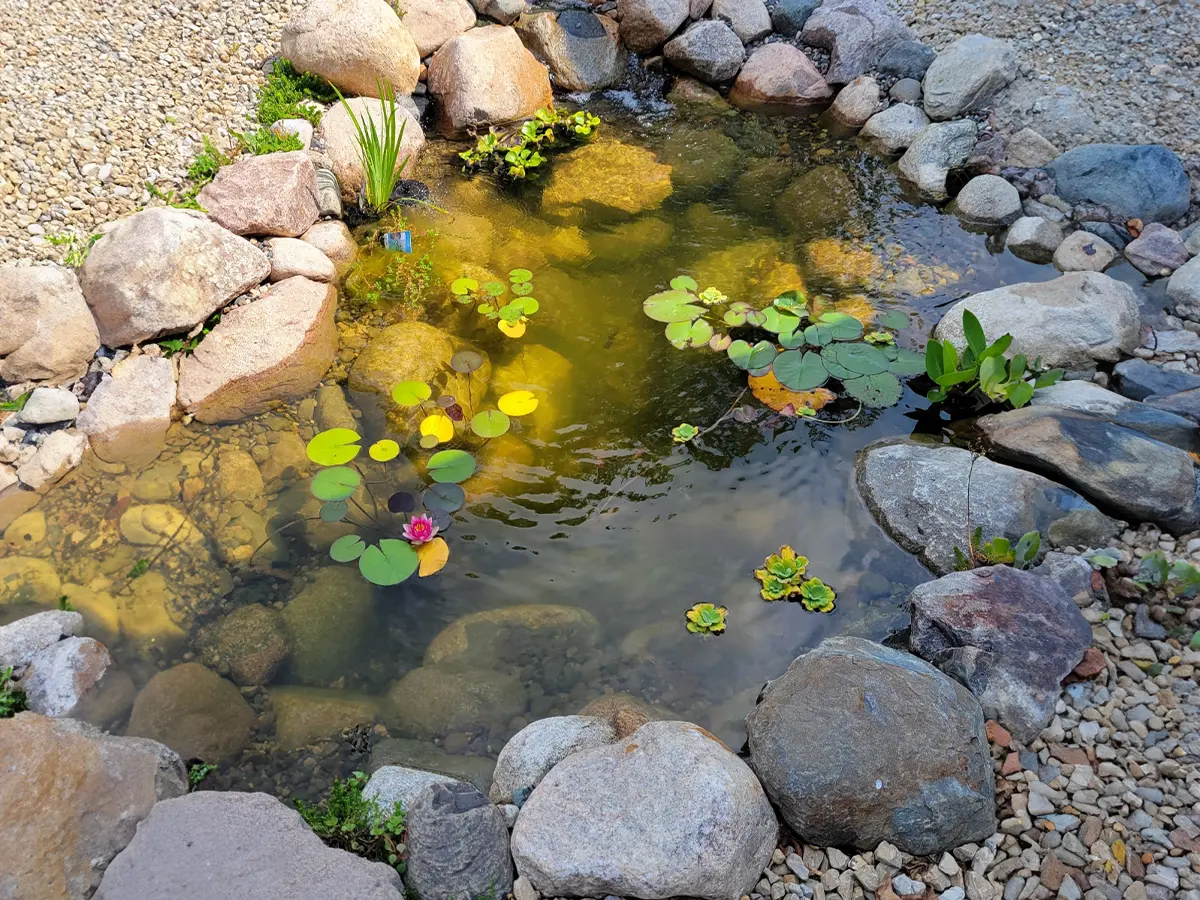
x,y
683,432
378,149
346,820
511,317
783,577
707,618
518,154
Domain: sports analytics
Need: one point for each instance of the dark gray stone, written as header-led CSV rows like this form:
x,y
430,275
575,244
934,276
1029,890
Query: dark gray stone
x,y
906,90
1111,234
1183,403
789,16
1145,627
1010,636
1144,182
708,49
457,844
907,59
909,763
581,53
856,33
1139,379
1087,397
1084,528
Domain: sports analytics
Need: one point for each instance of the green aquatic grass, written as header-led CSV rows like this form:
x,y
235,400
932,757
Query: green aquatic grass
x,y
379,149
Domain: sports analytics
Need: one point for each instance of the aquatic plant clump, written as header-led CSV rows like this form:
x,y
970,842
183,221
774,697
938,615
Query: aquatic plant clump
x,y
346,820
517,155
511,317
783,578
378,149
707,618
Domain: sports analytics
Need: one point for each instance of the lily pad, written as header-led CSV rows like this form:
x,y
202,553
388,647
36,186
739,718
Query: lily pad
x,y
433,557
389,563
442,519
792,340
493,288
861,359
799,371
334,511
520,276
445,401
720,342
438,426
466,361
448,497
678,333
880,389
775,321
734,317
334,447
384,450
336,483
672,306
818,335
892,318
684,283
518,403
512,329
401,502
460,287
526,305
843,326
490,423
522,289
411,393
906,363
428,441
347,548
754,357
792,301
701,333
451,466
756,317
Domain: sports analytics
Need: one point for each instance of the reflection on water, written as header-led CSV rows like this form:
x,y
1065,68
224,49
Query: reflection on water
x,y
588,533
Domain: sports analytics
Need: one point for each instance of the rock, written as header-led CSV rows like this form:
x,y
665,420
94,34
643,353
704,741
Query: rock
x,y
608,177
894,129
433,22
341,141
917,494
1086,397
1029,150
988,201
906,90
707,49
273,194
47,332
647,24
907,59
67,677
457,844
430,758
275,349
818,202
486,77
778,78
625,712
700,159
147,525
305,715
162,271
47,406
538,747
434,701
856,32
355,44
857,102
22,639
1073,321
1183,290
301,128
58,454
72,799
580,48
967,74
1157,251
789,16
687,91
127,416
1124,470
335,241
1034,239
941,147
1061,113
1144,182
397,784
330,619
670,812
291,256
913,768
414,351
26,580
498,636
749,19
503,11
194,711
1082,251
1182,403
252,642
1140,380
216,845
1010,636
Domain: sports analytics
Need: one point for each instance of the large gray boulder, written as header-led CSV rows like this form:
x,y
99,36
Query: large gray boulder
x,y
1074,321
390,785
215,845
1124,470
909,764
857,33
1087,397
939,148
1144,182
457,844
918,494
967,75
894,129
1010,636
988,201
22,639
749,19
667,812
539,747
1034,238
47,332
580,47
709,50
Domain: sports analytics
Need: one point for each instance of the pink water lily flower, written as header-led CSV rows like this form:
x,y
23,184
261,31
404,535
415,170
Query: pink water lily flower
x,y
420,530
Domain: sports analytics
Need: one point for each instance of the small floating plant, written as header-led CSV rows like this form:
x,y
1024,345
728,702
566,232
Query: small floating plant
x,y
510,317
783,578
706,619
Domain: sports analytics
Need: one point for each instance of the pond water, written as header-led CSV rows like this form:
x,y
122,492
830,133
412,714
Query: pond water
x,y
592,505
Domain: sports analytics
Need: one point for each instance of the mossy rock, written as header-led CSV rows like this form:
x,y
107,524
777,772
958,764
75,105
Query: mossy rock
x,y
415,351
24,579
252,642
497,637
331,621
757,188
305,715
700,159
606,176
434,701
817,202
630,241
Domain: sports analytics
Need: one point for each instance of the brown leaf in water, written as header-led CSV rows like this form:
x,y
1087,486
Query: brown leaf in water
x,y
768,391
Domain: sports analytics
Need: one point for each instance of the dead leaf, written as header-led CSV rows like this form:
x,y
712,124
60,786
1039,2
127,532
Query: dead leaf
x,y
433,556
768,391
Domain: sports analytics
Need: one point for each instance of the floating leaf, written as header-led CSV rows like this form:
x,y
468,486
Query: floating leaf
x,y
401,502
512,329
792,340
411,393
756,318
907,362
441,519
817,596
445,401
334,511
455,412
451,466
517,403
466,361
490,423
745,413
428,441
701,333
684,283
522,289
438,426
487,309
432,557
493,288
526,305
448,497
843,326
520,276
818,335
794,302
881,389
734,317
460,287
672,306
382,451
683,432
861,359
892,318
768,391
389,563
775,321
762,355
336,483
334,447
347,548
720,342
879,338
678,333
710,296
799,371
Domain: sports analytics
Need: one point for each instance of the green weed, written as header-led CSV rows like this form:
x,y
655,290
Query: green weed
x,y
379,150
348,821
280,97
12,698
261,141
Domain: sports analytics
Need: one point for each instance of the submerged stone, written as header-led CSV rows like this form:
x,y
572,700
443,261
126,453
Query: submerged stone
x,y
330,620
434,700
817,202
194,711
305,715
607,176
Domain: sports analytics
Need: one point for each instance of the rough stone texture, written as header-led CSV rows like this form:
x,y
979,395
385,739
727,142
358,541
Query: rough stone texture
x,y
275,349
47,406
354,44
894,129
20,640
72,798
457,844
434,701
62,677
857,102
333,239
486,77
433,22
399,784
1144,182
58,454
941,147
647,24
1074,321
162,271
907,59
1010,636
47,332
917,492
1034,239
910,765
789,16
214,845
25,579
607,177
252,641
503,11
749,19
1124,470
330,619
778,78
1028,149
1183,290
306,715
1082,251
967,75
856,32
415,351
1157,251
580,48
1182,403
341,141
194,711
429,757
1084,396
1140,380
625,712
707,49
667,812
128,414
988,201
291,256
538,747
273,194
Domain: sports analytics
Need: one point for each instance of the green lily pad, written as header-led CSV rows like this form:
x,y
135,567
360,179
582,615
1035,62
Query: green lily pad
x,y
792,340
818,335
799,371
448,497
389,563
792,301
493,288
334,447
679,334
700,334
748,357
411,393
334,511
336,483
520,276
776,322
451,466
347,548
522,289
684,283
672,306
906,363
490,423
843,327
465,362
861,359
881,389
893,319
527,305
460,287
756,317
734,317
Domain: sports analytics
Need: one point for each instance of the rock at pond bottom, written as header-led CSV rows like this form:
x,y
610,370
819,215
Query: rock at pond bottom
x,y
434,701
194,711
47,332
625,712
72,799
305,715
457,844
667,812
856,32
778,78
128,414
330,621
432,759
273,194
909,764
252,641
606,176
214,845
1146,182
495,638
415,351
538,747
1009,636
580,47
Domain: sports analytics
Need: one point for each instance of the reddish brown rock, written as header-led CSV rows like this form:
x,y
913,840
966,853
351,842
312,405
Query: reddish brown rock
x,y
998,734
1012,764
1092,664
778,78
274,194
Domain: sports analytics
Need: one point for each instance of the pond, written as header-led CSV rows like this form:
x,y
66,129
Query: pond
x,y
588,504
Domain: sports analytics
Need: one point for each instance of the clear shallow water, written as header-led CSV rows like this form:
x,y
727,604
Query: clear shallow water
x,y
597,508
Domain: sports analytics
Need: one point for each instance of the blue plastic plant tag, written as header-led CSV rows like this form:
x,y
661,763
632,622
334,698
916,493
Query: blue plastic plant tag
x,y
398,240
